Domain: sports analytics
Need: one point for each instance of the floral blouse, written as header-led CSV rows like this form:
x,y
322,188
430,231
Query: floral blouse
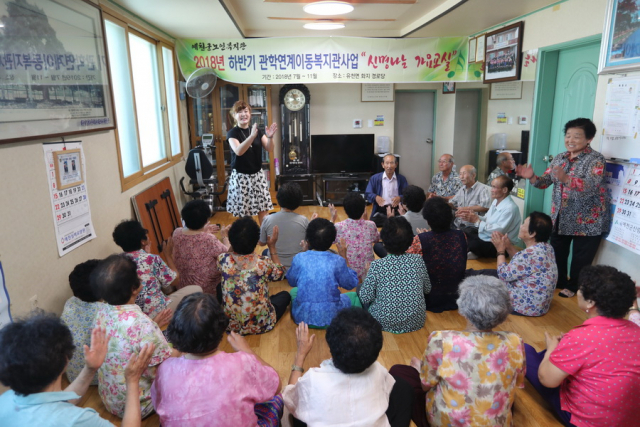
x,y
395,288
583,204
444,188
128,329
154,275
531,277
196,258
79,316
473,376
359,235
245,293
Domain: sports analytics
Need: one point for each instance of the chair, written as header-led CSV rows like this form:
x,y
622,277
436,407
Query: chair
x,y
205,186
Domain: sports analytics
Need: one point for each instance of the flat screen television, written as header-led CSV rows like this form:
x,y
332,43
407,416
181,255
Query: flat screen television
x,y
342,153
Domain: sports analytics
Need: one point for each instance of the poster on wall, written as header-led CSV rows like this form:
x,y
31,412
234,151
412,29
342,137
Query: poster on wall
x,y
625,229
5,303
69,203
53,70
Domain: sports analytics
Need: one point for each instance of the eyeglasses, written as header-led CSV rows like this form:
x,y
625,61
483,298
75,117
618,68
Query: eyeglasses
x,y
444,161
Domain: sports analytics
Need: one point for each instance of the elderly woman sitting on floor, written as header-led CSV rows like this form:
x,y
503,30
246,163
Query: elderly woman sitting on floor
x,y
470,376
532,274
207,386
352,388
591,374
33,356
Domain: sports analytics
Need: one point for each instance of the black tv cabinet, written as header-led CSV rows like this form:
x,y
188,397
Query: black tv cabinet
x,y
336,186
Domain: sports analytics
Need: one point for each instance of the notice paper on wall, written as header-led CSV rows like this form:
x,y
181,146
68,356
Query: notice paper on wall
x,y
625,230
5,310
70,206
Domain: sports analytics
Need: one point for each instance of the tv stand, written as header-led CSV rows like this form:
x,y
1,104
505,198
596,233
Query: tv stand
x,y
336,186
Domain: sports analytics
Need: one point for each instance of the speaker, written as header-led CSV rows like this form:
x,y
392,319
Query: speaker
x,y
524,147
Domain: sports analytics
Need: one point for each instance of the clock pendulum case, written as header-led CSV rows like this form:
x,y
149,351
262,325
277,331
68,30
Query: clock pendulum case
x,y
296,139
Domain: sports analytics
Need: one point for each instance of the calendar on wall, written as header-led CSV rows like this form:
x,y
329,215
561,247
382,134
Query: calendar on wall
x,y
69,195
625,230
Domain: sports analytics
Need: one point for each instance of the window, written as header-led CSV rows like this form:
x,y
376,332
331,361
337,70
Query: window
x,y
144,92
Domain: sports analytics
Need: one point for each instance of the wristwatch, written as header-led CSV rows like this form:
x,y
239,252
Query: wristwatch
x,y
297,368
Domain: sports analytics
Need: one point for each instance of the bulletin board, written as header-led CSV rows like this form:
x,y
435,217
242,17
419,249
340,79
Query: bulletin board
x,y
621,123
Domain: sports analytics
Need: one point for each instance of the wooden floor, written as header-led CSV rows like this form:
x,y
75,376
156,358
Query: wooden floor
x,y
278,346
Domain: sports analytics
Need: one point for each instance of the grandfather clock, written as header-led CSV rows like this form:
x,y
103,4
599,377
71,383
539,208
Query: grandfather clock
x,y
296,138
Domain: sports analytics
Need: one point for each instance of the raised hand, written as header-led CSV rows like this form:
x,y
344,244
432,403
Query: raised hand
x,y
271,240
390,212
402,209
271,130
498,241
212,228
138,363
94,355
333,211
304,341
342,248
525,171
163,318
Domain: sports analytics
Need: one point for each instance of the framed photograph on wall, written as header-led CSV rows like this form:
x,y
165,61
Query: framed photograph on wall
x,y
54,80
68,167
620,48
448,87
503,54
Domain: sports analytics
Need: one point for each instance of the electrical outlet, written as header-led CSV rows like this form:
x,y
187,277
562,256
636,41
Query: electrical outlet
x,y
33,302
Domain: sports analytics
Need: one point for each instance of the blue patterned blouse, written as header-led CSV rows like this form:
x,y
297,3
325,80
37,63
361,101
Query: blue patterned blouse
x,y
318,275
531,277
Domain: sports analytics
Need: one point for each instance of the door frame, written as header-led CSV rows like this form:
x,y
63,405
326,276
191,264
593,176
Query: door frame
x,y
435,108
542,115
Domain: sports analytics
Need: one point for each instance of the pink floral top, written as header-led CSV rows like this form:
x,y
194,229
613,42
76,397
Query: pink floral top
x,y
359,235
129,329
154,275
220,390
245,293
196,258
473,376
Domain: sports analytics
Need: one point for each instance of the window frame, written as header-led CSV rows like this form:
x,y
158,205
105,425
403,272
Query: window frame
x,y
170,159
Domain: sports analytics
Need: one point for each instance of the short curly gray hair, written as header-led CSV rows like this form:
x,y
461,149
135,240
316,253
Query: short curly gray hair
x,y
484,301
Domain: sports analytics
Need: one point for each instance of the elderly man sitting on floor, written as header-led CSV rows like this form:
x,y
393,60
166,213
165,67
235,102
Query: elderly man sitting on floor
x,y
503,216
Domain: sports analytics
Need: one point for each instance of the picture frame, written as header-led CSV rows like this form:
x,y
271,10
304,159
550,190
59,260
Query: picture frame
x,y
377,92
506,90
503,54
620,48
472,50
448,88
68,168
480,48
64,88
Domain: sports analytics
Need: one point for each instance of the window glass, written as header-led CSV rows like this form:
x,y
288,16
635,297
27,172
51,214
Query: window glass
x,y
144,63
122,98
172,102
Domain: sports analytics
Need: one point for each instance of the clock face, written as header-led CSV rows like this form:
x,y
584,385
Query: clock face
x,y
294,100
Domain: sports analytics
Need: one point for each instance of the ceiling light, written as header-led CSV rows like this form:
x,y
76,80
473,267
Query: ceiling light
x,y
324,25
328,8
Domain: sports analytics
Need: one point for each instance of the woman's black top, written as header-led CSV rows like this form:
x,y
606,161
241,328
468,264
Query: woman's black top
x,y
251,161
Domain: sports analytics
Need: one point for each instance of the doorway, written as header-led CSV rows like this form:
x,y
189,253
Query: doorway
x,y
413,134
466,134
568,78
